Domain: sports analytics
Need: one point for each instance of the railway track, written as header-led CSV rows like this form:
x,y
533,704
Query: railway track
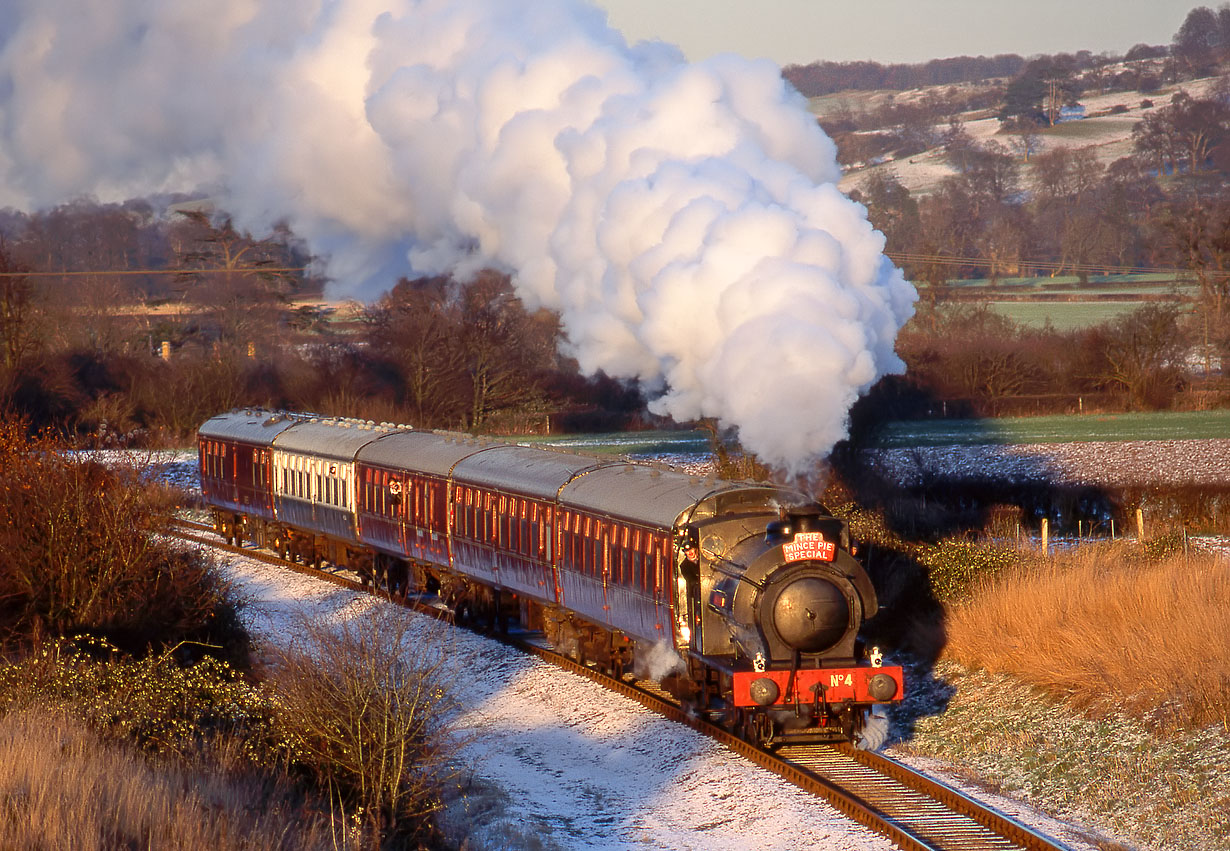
x,y
912,810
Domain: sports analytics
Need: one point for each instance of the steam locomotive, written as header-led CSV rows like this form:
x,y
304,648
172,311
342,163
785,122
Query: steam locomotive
x,y
742,599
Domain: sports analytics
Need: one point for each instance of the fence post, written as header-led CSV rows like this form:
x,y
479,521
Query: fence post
x,y
1140,525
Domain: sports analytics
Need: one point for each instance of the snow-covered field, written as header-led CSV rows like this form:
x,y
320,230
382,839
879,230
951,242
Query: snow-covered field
x,y
1108,136
1124,462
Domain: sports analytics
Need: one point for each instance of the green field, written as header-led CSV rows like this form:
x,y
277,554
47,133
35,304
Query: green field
x,y
1103,298
1139,283
1166,425
1063,315
633,443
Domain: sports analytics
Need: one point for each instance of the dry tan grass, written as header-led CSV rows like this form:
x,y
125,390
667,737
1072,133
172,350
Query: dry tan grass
x,y
62,787
1109,630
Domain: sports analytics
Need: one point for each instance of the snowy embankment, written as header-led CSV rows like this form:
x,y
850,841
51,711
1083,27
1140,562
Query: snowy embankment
x,y
558,762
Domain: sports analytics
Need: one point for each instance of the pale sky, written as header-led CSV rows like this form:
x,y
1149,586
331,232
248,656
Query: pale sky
x,y
802,31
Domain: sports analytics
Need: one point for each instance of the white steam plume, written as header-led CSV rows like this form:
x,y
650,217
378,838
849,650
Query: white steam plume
x,y
683,219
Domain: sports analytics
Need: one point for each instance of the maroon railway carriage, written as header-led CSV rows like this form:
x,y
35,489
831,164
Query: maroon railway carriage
x,y
753,586
236,457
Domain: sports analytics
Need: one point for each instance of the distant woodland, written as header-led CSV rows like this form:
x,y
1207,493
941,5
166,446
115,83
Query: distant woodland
x,y
132,323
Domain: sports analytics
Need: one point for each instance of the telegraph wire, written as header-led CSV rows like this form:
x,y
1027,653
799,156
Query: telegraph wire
x,y
1052,266
275,270
898,257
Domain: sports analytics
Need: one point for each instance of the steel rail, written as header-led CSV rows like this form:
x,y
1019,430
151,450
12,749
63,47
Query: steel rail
x,y
912,810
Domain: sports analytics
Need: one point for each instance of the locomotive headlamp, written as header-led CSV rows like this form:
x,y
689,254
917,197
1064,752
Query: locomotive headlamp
x,y
882,687
764,691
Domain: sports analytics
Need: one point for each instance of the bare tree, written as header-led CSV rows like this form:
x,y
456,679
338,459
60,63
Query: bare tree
x,y
248,282
1200,235
506,350
19,330
1144,352
416,327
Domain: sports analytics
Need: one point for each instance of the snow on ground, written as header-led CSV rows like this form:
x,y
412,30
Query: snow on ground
x,y
560,763
1110,136
569,764
1095,463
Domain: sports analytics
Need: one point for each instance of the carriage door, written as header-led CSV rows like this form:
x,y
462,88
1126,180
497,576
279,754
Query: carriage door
x,y
603,562
261,480
661,582
400,494
416,518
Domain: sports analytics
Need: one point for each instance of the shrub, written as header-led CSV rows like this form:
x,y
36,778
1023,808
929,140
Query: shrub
x,y
956,567
164,707
80,552
367,714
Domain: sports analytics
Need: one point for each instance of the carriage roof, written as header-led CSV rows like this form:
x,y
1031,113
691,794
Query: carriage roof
x,y
433,453
331,438
534,472
246,426
666,497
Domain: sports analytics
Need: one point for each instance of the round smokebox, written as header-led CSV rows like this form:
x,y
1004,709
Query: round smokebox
x,y
811,614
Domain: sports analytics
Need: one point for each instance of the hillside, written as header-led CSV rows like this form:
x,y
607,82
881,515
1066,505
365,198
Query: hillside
x,y
1106,127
